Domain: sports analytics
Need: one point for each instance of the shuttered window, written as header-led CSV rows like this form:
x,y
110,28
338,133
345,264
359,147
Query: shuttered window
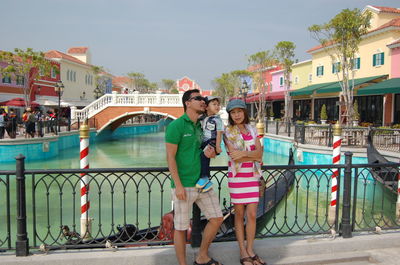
x,y
320,70
378,59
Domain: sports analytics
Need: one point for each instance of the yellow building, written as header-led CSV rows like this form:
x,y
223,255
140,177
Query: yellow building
x,y
371,65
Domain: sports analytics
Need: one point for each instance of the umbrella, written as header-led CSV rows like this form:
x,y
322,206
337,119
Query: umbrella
x,y
18,102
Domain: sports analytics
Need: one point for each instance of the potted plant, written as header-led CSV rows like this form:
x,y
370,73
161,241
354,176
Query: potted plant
x,y
356,114
271,114
323,115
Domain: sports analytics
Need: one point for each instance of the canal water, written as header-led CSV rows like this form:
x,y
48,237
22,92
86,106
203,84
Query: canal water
x,y
304,210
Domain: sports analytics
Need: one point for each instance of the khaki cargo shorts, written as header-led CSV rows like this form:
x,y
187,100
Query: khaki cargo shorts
x,y
207,202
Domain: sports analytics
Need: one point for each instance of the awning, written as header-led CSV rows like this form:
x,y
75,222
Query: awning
x,y
385,87
275,95
308,90
335,87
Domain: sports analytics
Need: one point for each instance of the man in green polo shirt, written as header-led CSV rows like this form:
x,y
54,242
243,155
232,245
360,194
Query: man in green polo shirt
x,y
183,140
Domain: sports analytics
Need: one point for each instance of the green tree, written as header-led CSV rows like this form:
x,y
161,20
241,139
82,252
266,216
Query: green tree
x,y
261,61
170,85
224,86
141,84
340,38
136,78
100,81
284,51
27,63
228,84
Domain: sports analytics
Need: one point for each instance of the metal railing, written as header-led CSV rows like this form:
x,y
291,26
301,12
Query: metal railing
x,y
128,205
322,135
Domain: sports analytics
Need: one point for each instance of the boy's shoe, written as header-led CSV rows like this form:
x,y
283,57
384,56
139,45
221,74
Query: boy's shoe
x,y
207,187
202,182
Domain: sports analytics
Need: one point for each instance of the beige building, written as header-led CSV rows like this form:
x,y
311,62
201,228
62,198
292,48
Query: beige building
x,y
77,76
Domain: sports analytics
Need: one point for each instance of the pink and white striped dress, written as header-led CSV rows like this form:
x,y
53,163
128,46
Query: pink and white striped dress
x,y
244,186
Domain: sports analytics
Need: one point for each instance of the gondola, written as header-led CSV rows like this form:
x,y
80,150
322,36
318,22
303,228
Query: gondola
x,y
280,185
388,176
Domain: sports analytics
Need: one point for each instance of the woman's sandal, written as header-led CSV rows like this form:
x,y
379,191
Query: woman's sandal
x,y
210,262
257,259
246,259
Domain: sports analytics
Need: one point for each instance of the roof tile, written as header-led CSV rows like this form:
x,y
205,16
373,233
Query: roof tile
x,y
78,50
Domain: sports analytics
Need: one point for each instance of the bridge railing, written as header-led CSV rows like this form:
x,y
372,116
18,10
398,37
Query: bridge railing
x,y
135,99
127,204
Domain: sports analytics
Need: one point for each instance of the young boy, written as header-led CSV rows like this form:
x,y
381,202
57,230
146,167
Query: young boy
x,y
212,135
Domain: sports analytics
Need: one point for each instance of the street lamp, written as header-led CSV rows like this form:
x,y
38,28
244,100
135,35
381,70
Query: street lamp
x,y
97,92
59,89
244,89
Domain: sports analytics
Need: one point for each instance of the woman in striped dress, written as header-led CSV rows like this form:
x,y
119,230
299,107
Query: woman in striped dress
x,y
245,153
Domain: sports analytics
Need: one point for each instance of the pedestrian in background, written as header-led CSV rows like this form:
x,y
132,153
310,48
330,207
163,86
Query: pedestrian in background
x,y
3,117
30,123
11,124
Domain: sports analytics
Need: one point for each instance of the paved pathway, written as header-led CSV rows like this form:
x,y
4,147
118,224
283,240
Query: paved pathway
x,y
361,249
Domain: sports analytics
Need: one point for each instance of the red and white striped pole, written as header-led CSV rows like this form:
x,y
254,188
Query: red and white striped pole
x,y
84,164
337,143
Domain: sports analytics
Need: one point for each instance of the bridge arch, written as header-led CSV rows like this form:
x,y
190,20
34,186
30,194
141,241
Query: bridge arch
x,y
114,123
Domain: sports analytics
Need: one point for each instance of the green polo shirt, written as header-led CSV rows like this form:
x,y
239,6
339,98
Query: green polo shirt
x,y
187,135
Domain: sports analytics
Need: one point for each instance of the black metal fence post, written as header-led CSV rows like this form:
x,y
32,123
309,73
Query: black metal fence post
x,y
196,228
22,242
330,136
303,134
346,225
277,127
289,125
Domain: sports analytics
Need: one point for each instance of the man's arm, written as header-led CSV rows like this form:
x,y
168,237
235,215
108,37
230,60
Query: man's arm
x,y
218,142
173,169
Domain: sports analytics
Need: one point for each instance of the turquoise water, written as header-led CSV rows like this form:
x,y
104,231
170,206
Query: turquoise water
x,y
145,150
304,209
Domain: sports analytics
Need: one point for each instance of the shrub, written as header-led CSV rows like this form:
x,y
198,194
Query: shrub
x,y
323,115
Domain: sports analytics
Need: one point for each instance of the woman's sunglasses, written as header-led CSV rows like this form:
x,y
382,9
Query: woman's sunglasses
x,y
198,98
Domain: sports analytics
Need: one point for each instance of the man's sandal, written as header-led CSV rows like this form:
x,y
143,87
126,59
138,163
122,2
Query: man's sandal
x,y
210,262
257,259
246,259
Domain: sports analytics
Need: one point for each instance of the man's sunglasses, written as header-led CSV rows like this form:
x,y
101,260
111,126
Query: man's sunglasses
x,y
198,98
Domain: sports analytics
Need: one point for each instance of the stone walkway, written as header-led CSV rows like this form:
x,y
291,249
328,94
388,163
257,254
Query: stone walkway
x,y
364,248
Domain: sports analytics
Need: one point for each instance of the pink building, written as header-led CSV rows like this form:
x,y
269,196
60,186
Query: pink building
x,y
395,49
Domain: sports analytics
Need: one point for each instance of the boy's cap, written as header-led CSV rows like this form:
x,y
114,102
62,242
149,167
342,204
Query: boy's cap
x,y
235,103
210,98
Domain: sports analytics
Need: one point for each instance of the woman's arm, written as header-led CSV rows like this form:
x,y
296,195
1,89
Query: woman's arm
x,y
246,156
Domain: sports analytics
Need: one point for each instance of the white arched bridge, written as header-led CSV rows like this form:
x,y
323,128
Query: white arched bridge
x,y
111,110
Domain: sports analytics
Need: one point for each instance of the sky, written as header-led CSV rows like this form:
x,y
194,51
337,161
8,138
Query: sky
x,y
167,39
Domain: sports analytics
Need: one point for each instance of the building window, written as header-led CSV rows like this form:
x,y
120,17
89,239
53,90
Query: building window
x,y
355,63
74,76
281,81
68,75
20,80
320,70
309,77
296,80
336,68
53,72
86,79
6,79
378,59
